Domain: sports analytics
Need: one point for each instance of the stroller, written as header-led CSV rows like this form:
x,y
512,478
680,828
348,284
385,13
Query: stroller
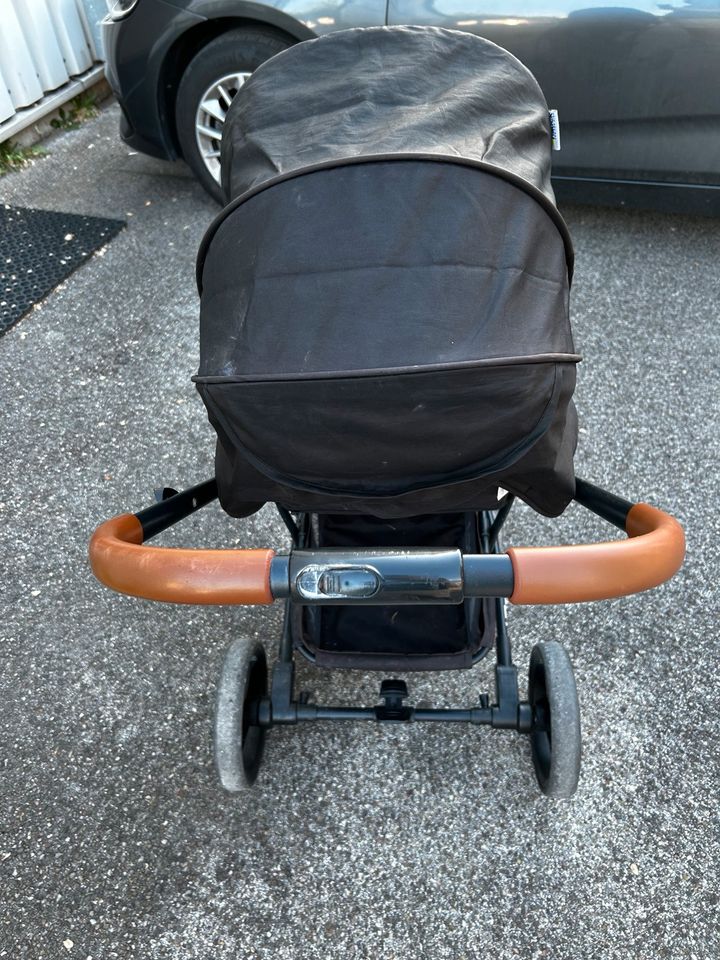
x,y
386,355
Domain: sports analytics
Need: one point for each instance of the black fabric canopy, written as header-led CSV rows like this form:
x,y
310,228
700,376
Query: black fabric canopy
x,y
384,92
387,90
384,312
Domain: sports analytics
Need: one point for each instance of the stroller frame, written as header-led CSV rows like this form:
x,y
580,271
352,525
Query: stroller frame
x,y
392,351
506,713
248,706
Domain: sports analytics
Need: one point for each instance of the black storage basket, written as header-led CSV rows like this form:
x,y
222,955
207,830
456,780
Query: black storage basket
x,y
402,638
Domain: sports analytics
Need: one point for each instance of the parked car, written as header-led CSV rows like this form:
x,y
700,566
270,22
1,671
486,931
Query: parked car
x,y
636,89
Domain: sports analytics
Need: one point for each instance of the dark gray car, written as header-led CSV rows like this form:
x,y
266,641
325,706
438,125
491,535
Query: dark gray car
x,y
637,89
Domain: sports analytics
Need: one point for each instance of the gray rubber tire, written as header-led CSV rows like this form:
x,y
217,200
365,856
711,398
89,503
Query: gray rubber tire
x,y
555,738
239,742
239,50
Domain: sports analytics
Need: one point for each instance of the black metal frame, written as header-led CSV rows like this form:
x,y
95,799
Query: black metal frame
x,y
507,712
281,706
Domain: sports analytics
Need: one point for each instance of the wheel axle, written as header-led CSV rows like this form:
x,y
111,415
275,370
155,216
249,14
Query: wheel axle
x,y
508,713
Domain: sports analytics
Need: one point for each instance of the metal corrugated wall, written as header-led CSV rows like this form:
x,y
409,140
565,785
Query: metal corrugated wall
x,y
43,45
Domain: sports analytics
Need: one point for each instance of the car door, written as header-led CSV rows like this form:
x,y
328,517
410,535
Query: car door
x,y
637,89
325,16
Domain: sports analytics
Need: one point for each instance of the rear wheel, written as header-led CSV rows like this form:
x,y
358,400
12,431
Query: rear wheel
x,y
555,735
239,739
208,86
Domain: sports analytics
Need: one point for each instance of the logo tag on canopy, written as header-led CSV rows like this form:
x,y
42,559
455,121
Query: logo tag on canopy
x,y
555,129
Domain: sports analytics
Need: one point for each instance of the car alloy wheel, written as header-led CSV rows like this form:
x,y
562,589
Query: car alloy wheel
x,y
210,119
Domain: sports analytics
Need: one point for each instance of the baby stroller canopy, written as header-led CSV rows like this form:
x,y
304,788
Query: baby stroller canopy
x,y
384,303
388,91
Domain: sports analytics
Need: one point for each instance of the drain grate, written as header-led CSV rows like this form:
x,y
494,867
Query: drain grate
x,y
39,249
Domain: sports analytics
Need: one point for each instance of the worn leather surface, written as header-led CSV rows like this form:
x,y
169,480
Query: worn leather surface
x,y
599,571
120,560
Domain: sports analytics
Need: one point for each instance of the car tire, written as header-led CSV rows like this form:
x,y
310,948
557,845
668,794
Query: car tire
x,y
228,57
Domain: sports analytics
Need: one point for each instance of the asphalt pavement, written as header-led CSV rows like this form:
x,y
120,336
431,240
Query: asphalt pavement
x,y
360,841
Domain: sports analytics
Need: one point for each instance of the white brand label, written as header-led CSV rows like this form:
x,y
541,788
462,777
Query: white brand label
x,y
555,129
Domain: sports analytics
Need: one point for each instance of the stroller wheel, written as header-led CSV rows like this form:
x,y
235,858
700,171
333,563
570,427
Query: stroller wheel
x,y
239,740
555,733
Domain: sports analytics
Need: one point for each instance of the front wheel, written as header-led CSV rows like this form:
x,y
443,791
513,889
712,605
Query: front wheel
x,y
239,738
208,86
555,740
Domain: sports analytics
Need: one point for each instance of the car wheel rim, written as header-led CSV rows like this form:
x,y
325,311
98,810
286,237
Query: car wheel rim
x,y
210,119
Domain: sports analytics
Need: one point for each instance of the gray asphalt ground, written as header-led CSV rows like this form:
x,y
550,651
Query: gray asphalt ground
x,y
359,841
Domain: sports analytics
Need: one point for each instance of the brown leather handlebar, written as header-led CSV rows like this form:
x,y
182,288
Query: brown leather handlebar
x,y
599,571
177,575
542,575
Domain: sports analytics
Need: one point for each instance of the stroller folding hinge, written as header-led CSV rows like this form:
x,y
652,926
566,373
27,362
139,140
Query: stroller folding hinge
x,y
281,707
509,713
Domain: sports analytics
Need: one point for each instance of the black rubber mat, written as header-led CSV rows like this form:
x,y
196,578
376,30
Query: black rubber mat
x,y
38,249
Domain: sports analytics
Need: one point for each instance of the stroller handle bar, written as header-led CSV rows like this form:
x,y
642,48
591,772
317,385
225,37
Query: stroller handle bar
x,y
120,559
653,552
